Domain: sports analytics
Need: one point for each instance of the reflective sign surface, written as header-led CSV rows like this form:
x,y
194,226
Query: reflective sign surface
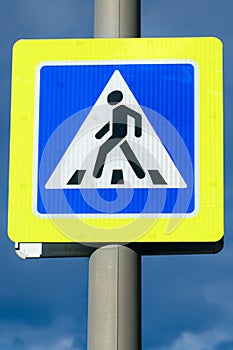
x,y
107,146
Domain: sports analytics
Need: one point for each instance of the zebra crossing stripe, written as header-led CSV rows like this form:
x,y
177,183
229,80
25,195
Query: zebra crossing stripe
x,y
76,178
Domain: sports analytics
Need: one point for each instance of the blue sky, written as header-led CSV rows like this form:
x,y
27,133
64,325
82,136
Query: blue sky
x,y
187,300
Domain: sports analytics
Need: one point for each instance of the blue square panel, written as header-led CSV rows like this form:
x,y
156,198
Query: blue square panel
x,y
71,115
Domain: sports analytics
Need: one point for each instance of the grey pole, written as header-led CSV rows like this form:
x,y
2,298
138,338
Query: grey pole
x,y
114,298
114,317
117,18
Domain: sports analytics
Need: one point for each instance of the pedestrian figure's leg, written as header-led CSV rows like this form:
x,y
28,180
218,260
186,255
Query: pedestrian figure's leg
x,y
133,161
104,149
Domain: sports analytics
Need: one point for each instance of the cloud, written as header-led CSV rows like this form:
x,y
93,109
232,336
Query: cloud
x,y
216,296
189,297
61,335
208,340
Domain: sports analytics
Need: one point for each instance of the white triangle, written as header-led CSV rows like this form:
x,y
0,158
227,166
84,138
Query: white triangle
x,y
83,150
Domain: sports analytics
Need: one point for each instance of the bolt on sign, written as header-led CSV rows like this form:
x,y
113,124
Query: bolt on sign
x,y
117,140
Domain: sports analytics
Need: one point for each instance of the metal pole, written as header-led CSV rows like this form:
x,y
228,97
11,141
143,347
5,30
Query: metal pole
x,y
114,300
117,18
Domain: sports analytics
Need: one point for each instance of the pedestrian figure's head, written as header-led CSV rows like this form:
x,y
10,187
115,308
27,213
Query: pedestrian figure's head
x,y
114,97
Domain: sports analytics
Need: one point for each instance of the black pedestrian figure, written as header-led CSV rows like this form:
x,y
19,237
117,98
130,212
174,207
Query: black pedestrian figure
x,y
119,132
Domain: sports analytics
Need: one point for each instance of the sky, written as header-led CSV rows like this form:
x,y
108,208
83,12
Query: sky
x,y
187,301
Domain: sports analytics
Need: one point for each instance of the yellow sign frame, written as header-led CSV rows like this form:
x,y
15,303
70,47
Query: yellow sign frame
x,y
208,223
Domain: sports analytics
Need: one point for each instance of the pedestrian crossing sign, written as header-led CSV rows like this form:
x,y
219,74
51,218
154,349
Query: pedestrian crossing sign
x,y
116,140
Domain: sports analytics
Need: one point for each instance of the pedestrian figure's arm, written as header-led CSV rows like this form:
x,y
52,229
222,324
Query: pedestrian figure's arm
x,y
138,131
102,131
138,122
